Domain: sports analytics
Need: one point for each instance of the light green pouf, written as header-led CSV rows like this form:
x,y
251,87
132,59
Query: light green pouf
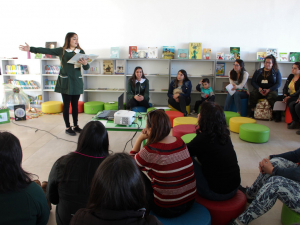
x,y
188,137
255,133
150,109
288,216
111,106
93,107
229,114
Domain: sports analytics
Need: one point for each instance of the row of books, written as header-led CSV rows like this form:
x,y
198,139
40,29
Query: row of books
x,y
50,69
108,67
281,56
49,84
16,69
24,84
35,100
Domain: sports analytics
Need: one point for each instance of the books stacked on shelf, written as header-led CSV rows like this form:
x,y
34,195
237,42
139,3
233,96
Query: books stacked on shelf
x,y
195,50
261,56
283,56
50,84
115,52
168,52
235,53
16,69
108,67
24,84
35,100
220,69
50,69
220,56
272,51
152,53
294,56
120,67
183,53
206,53
133,52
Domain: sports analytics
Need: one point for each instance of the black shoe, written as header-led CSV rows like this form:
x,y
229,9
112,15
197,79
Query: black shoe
x,y
277,120
69,131
298,132
231,222
243,189
251,114
77,129
294,125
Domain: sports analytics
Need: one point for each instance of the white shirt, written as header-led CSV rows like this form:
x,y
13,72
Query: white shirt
x,y
243,83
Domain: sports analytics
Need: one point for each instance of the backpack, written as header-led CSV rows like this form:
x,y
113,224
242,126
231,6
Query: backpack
x,y
263,110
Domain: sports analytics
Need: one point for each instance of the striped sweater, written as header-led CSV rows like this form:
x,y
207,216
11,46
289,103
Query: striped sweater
x,y
171,171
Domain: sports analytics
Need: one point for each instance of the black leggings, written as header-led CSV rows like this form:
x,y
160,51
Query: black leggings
x,y
181,105
133,103
74,103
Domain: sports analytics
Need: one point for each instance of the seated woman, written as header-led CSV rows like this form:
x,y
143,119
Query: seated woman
x,y
218,174
179,92
22,201
238,77
169,173
266,82
278,179
117,195
71,175
138,89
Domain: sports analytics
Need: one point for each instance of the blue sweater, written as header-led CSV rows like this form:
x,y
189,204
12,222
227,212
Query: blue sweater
x,y
186,88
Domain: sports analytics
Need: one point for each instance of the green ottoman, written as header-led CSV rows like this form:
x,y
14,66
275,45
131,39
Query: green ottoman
x,y
150,109
229,114
188,137
111,106
93,107
288,216
253,132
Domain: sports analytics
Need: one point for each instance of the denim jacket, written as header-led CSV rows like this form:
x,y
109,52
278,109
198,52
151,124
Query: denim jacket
x,y
186,88
276,77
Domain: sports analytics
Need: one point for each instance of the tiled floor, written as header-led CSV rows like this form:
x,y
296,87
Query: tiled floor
x,y
41,150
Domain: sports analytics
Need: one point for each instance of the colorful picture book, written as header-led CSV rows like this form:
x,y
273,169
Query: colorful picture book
x,y
152,52
272,51
120,67
49,84
114,52
283,56
294,56
142,54
94,68
227,57
50,69
206,53
183,53
195,50
220,56
261,56
220,69
16,69
50,45
24,84
108,66
235,53
38,56
168,52
132,52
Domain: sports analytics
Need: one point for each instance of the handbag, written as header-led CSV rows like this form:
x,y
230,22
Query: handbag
x,y
263,110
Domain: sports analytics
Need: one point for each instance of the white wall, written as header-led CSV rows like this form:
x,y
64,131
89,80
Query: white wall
x,y
252,25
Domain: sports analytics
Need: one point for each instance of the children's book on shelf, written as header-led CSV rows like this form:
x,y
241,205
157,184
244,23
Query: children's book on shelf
x,y
152,52
206,53
220,56
24,84
16,69
220,69
94,68
115,52
227,57
38,56
261,56
132,52
195,50
294,56
272,51
108,66
120,67
142,54
51,69
235,53
50,45
183,53
90,58
49,84
283,56
168,52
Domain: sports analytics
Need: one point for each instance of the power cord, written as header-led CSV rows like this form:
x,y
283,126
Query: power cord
x,y
132,136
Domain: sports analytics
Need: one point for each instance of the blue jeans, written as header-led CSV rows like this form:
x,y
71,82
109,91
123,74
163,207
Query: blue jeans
x,y
203,188
237,96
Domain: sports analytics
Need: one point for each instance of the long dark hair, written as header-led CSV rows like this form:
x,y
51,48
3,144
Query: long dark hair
x,y
233,73
274,62
297,64
117,185
185,77
212,122
12,175
67,43
132,79
160,125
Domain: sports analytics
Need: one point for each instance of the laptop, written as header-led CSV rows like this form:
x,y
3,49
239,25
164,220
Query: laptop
x,y
109,114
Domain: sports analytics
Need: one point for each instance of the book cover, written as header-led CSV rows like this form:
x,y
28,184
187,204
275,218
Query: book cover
x,y
120,67
261,56
183,53
220,69
38,55
272,51
235,53
294,56
283,56
50,45
227,57
142,54
195,50
94,68
114,52
206,53
132,52
168,52
220,56
152,52
108,66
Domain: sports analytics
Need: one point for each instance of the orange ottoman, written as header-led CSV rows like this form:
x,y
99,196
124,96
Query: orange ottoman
x,y
174,114
180,130
288,116
80,107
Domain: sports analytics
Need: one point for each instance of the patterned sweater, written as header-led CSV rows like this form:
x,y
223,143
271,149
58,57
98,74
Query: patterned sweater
x,y
171,171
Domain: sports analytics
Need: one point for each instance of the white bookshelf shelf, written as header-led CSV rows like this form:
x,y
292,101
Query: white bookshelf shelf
x,y
108,91
103,75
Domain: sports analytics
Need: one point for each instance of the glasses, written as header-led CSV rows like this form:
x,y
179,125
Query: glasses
x,y
149,114
268,63
236,64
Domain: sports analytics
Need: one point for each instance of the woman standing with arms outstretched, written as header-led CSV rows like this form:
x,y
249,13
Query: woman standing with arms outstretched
x,y
69,82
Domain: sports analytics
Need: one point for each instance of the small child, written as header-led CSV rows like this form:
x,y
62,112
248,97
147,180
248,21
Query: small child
x,y
207,93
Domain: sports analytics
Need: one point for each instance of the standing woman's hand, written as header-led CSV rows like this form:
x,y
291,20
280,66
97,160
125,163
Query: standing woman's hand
x,y
83,61
25,48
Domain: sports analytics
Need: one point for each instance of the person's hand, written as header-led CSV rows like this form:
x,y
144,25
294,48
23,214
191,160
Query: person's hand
x,y
260,90
138,98
82,61
200,81
176,96
267,166
143,136
141,97
177,100
264,92
25,48
233,87
286,98
298,100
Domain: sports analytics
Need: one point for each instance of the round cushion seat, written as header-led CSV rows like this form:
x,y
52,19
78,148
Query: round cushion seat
x,y
229,114
139,109
93,107
80,107
236,122
181,130
52,107
188,137
223,211
111,106
187,108
150,109
255,133
173,114
289,216
185,120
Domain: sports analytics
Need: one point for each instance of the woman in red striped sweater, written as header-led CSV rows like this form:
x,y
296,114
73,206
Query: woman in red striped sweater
x,y
167,167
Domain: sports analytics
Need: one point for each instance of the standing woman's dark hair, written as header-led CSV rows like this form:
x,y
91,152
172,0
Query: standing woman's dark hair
x,y
213,123
67,43
185,77
233,73
274,62
133,77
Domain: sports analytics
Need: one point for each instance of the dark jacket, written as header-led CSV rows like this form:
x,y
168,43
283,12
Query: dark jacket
x,y
69,80
275,75
110,217
140,88
286,86
186,88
